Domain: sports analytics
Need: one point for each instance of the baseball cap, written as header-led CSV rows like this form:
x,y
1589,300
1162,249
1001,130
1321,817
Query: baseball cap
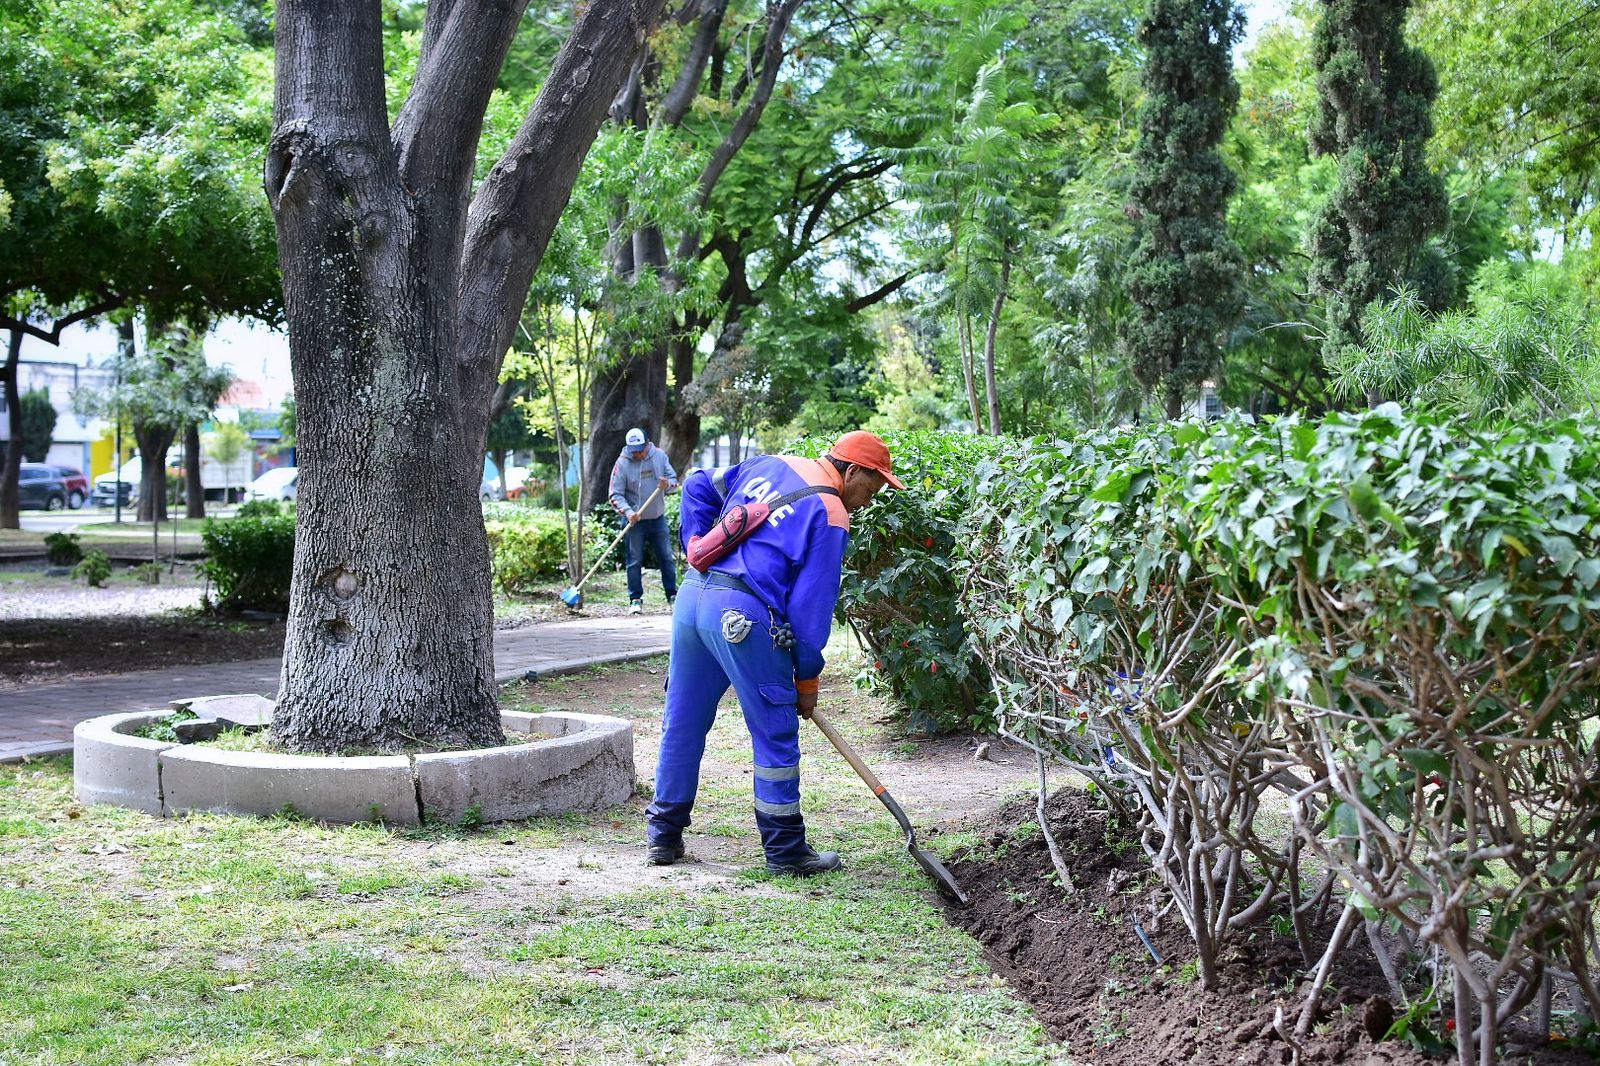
x,y
636,438
868,450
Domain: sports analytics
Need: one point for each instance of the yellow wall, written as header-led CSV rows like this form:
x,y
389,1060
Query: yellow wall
x,y
100,461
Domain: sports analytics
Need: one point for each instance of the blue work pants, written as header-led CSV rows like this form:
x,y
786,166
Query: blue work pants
x,y
704,663
660,538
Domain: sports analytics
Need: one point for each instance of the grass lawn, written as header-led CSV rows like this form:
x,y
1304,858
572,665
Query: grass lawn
x,y
212,940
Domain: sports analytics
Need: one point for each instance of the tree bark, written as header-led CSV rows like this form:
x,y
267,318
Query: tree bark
x,y
402,294
10,494
154,443
193,491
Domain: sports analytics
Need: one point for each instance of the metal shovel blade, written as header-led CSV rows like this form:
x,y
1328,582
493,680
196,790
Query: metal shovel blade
x,y
930,864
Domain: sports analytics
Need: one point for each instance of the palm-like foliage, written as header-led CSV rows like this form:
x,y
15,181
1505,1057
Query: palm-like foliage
x,y
1527,351
980,207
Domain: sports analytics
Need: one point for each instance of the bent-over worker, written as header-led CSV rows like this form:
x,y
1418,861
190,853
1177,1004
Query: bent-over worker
x,y
758,620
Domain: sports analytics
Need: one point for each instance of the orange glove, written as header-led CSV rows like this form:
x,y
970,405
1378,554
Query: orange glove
x,y
806,696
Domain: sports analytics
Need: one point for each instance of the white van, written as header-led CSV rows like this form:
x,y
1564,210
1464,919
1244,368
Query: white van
x,y
276,484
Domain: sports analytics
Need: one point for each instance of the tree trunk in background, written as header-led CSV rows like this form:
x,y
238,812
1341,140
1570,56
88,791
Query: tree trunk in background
x,y
10,499
154,443
631,389
991,390
402,290
629,392
193,491
968,374
680,430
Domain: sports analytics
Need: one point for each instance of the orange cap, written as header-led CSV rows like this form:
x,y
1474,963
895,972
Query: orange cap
x,y
868,450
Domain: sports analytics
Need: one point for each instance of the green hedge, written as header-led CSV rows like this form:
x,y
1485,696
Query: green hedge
x,y
528,550
900,586
250,560
1385,625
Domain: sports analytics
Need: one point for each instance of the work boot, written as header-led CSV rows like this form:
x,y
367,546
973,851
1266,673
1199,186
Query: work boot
x,y
665,854
808,863
635,606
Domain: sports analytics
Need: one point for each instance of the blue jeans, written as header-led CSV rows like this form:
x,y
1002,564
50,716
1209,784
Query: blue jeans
x,y
703,666
655,530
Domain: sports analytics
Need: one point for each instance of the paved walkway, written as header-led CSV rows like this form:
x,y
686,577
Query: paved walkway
x,y
39,720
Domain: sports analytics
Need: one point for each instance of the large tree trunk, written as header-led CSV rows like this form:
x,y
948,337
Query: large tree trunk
x,y
194,493
402,295
10,498
154,443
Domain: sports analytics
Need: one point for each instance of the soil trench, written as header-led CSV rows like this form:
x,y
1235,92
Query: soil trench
x,y
1078,961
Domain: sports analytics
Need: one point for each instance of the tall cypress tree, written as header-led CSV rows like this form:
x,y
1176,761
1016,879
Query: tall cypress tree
x,y
1185,276
1374,113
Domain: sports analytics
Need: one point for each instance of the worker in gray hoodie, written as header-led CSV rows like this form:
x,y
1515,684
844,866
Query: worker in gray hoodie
x,y
639,470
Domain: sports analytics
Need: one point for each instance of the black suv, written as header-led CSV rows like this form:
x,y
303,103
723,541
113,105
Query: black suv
x,y
40,488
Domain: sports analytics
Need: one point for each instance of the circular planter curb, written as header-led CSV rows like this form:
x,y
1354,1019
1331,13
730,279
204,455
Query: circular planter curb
x,y
586,765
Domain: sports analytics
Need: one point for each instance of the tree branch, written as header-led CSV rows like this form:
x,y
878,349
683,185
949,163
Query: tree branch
x,y
833,188
676,103
878,295
779,14
436,134
510,221
52,335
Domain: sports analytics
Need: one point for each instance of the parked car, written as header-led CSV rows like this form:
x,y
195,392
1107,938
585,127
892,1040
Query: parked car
x,y
123,482
276,484
40,488
77,485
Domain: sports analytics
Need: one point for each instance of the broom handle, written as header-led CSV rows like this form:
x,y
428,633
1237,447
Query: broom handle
x,y
602,556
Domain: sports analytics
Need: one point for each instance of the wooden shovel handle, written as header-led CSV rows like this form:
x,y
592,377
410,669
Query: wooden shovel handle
x,y
849,754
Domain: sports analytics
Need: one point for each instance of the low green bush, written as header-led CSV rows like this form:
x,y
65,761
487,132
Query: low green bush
x,y
94,569
259,509
899,590
1383,625
250,560
530,550
62,549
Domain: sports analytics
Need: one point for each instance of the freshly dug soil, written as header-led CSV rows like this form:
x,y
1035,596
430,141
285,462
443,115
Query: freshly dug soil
x,y
39,650
1078,960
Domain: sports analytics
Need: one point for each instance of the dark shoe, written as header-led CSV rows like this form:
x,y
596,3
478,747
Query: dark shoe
x,y
665,854
808,864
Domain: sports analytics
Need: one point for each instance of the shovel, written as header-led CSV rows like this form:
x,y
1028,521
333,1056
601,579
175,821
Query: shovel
x,y
930,865
572,595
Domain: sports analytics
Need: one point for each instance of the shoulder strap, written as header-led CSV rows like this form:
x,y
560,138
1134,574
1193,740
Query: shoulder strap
x,y
781,501
800,494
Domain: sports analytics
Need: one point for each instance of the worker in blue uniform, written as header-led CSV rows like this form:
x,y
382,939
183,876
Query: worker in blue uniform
x,y
758,620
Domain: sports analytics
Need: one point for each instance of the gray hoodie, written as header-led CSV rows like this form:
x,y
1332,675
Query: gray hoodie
x,y
633,480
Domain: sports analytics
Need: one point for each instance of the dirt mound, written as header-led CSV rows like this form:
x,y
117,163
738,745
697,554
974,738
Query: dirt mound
x,y
1079,962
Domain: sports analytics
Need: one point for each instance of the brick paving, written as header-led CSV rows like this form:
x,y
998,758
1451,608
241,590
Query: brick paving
x,y
39,720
